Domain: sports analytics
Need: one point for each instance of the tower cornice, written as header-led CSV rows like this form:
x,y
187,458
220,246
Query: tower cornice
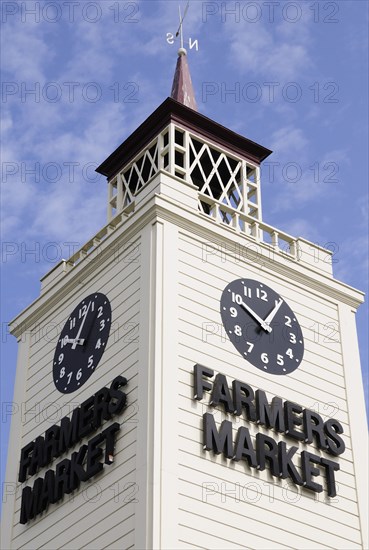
x,y
173,111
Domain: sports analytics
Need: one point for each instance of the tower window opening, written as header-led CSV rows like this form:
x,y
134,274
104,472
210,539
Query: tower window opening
x,y
179,159
217,175
251,174
179,137
166,161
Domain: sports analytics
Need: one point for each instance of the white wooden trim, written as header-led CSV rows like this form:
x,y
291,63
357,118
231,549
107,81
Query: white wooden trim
x,y
15,439
356,412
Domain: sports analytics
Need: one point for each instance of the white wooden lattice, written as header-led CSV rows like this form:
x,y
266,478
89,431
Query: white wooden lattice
x,y
226,183
139,173
124,187
220,176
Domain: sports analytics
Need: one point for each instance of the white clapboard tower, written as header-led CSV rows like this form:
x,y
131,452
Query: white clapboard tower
x,y
184,220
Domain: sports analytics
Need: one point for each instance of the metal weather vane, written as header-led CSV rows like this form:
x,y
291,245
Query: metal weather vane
x,y
180,28
171,37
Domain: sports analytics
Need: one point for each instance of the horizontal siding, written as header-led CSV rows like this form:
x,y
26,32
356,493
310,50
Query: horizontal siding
x,y
44,345
210,304
261,529
232,365
101,509
112,539
205,537
195,434
125,310
125,440
187,403
123,304
275,513
252,486
222,525
224,269
106,278
191,329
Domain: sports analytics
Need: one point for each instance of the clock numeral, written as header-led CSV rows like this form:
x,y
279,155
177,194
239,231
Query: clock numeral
x,y
64,341
261,294
82,312
60,358
62,372
233,312
238,330
251,347
92,306
102,324
100,311
79,374
279,346
236,298
90,361
69,376
72,323
289,353
247,292
98,344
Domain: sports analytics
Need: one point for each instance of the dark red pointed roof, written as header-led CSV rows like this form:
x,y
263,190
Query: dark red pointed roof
x,y
182,89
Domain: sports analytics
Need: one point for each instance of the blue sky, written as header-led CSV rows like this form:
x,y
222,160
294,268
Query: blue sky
x,y
79,77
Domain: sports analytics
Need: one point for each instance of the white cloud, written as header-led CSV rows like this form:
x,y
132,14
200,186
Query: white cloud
x,y
288,139
300,227
27,52
256,49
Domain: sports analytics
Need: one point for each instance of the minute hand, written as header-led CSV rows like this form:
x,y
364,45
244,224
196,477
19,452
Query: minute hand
x,y
77,339
272,314
261,322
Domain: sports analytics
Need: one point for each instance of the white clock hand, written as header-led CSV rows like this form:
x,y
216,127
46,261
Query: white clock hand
x,y
261,322
77,339
272,314
72,340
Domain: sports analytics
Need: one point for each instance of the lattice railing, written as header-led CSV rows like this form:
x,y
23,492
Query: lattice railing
x,y
246,224
216,174
124,187
228,185
219,174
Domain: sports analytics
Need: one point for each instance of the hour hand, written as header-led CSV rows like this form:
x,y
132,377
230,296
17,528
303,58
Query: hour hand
x,y
261,321
75,341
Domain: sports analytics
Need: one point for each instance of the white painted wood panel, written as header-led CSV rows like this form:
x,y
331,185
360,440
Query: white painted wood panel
x,y
209,469
292,390
284,514
81,519
164,297
194,434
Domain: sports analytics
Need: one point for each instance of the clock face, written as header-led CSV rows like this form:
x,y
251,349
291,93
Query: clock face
x,y
262,326
82,343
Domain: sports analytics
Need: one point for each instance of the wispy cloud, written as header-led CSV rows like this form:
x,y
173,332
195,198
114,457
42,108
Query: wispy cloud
x,y
277,50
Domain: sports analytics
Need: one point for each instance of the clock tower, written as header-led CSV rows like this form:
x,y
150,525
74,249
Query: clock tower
x,y
191,376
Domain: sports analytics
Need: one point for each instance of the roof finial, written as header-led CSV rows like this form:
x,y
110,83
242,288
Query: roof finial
x,y
182,89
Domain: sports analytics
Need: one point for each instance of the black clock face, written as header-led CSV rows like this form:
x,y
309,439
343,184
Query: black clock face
x,y
82,343
261,326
